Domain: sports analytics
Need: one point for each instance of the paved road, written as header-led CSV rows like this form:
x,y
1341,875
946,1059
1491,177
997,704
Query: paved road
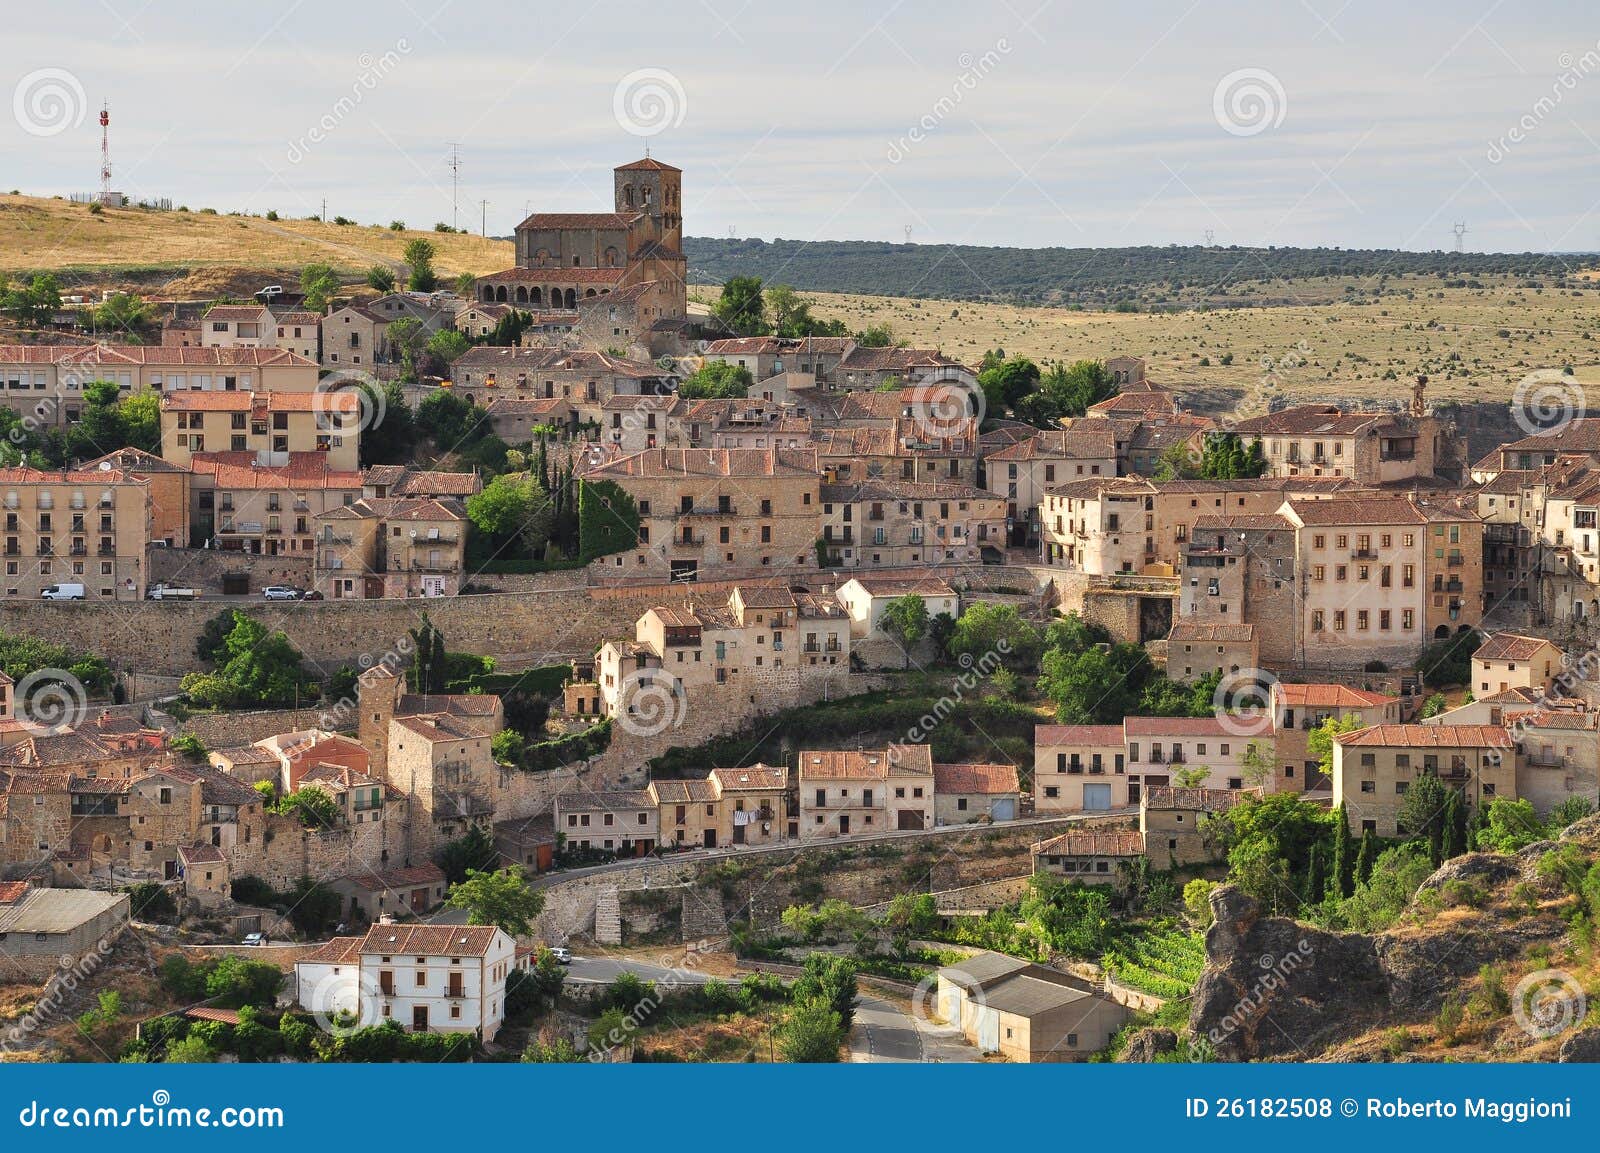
x,y
607,969
884,1033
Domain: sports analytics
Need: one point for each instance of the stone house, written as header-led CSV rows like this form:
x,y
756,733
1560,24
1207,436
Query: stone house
x,y
865,791
897,524
1513,661
1373,768
963,794
268,426
1025,1012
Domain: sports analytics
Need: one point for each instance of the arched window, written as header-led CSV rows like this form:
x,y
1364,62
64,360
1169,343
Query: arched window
x,y
627,196
613,258
488,294
644,194
536,296
589,293
522,294
500,294
572,298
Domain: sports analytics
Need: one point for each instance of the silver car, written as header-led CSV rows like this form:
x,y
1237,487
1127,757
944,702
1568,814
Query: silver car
x,y
280,593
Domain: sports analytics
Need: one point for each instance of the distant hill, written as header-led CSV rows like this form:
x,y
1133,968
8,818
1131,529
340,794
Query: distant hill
x,y
1103,277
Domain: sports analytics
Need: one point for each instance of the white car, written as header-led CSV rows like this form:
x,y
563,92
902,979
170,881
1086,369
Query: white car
x,y
280,593
562,956
254,939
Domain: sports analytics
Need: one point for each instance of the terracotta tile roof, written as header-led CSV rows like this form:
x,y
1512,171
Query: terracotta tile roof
x,y
155,355
427,482
202,854
192,400
895,360
1241,523
455,704
1047,735
24,475
648,164
132,460
728,462
559,220
313,319
339,951
12,891
303,470
1140,402
405,878
486,356
1339,510
1510,647
1555,719
1199,800
884,586
1327,696
1236,725
990,779
1218,633
1088,844
429,940
866,764
1084,441
1314,420
590,800
751,777
235,312
677,792
1428,736
1581,435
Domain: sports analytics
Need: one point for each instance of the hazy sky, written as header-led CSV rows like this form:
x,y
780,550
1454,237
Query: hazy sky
x,y
1331,122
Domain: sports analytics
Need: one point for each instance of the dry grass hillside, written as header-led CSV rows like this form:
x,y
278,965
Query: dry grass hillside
x,y
1474,344
37,234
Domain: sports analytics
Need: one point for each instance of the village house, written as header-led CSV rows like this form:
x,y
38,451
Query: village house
x,y
731,512
1024,471
44,931
865,791
942,452
45,383
299,332
963,794
1513,661
897,524
866,597
88,526
1240,571
1297,709
425,978
1371,448
237,326
1198,649
391,547
246,506
412,891
267,425
1374,767
585,379
620,821
1026,1012
168,486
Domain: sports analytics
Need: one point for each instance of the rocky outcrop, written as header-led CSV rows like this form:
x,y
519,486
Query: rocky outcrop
x,y
1583,1045
1484,870
1273,988
1148,1044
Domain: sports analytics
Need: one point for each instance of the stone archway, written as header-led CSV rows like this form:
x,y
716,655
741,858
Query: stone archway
x,y
522,294
572,298
536,296
500,294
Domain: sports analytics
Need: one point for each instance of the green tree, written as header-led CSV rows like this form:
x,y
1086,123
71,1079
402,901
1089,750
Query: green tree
x,y
140,417
1197,900
1320,741
811,1034
1341,877
391,438
407,340
830,978
1367,856
742,307
1422,813
472,851
989,633
190,1050
876,336
1453,834
717,380
466,285
447,344
905,621
123,312
1510,824
1258,763
35,304
320,283
427,675
380,278
312,805
503,899
504,508
1065,390
1226,458
1006,385
419,256
1449,661
235,981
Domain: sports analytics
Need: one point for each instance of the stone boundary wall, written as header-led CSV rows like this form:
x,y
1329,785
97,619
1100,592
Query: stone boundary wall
x,y
204,568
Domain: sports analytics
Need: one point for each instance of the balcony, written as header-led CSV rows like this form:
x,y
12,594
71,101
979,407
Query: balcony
x,y
1455,561
434,566
1546,761
690,540
730,510
1364,554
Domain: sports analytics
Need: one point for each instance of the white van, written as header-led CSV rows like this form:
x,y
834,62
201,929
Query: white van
x,y
61,592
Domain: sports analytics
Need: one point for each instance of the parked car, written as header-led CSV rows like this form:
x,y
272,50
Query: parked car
x,y
61,592
562,955
255,939
165,592
271,290
311,595
280,593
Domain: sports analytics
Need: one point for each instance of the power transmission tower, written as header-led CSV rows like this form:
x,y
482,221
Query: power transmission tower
x,y
908,234
483,220
1460,229
1210,235
455,185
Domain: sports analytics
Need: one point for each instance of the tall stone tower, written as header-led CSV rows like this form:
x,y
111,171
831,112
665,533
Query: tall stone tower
x,y
655,189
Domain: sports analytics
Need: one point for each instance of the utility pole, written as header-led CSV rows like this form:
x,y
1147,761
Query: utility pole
x,y
483,219
455,185
324,210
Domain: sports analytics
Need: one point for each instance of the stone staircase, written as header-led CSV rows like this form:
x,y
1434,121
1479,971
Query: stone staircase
x,y
608,918
703,917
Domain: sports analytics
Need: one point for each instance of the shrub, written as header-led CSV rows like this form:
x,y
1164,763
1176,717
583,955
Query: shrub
x,y
150,901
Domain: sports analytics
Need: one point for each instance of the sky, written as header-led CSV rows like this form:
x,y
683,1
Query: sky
x,y
1348,123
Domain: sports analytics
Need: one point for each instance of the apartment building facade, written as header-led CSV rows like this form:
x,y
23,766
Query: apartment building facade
x,y
1373,769
85,526
267,425
895,524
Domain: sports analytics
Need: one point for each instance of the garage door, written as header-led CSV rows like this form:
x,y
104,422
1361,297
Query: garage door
x,y
1096,797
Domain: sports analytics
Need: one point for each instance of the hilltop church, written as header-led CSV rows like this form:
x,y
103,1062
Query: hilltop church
x,y
618,278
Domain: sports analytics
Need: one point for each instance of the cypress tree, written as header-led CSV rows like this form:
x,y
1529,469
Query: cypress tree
x,y
1367,856
1316,878
436,665
1341,883
1454,835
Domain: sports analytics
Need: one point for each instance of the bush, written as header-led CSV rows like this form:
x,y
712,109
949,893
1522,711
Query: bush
x,y
150,901
248,890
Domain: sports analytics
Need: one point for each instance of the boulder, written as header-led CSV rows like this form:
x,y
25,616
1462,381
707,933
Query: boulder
x,y
1584,1046
1148,1044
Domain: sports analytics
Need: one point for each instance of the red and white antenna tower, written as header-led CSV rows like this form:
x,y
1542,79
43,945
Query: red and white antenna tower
x,y
105,154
